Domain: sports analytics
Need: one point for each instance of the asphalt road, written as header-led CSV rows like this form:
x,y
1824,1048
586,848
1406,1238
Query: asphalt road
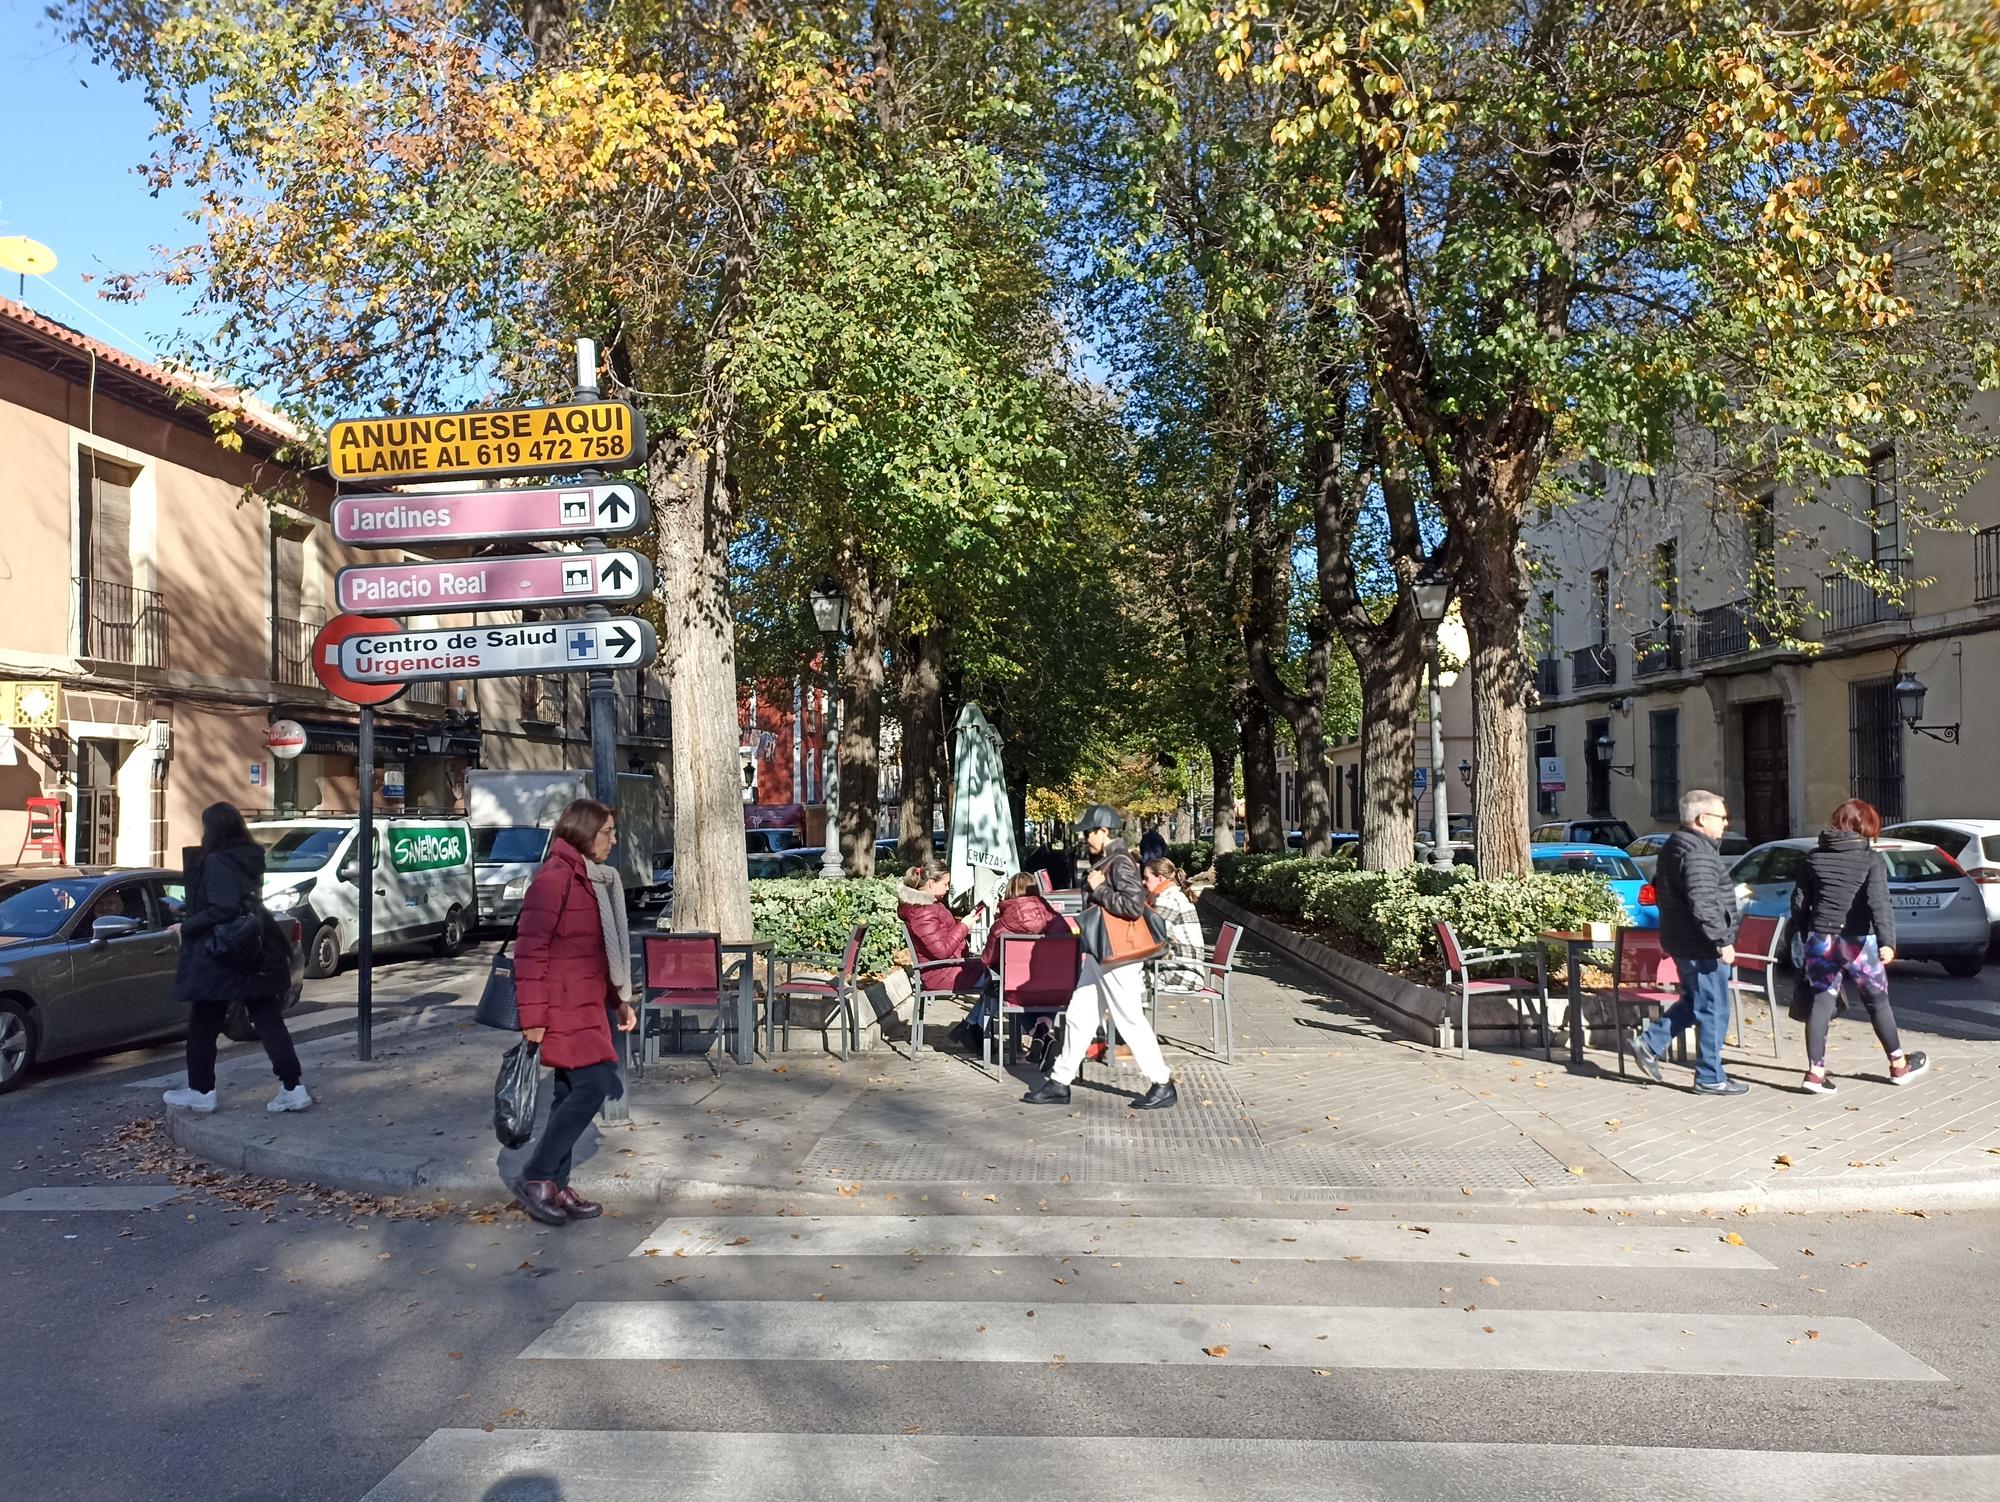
x,y
200,1348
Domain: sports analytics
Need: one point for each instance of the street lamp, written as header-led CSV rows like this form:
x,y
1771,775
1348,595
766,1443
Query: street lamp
x,y
1910,693
1432,593
1465,771
1604,748
830,616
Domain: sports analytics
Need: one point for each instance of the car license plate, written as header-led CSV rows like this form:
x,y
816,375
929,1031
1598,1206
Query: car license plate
x,y
1917,900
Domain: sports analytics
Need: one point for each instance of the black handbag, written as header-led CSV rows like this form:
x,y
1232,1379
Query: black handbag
x,y
499,1006
514,1093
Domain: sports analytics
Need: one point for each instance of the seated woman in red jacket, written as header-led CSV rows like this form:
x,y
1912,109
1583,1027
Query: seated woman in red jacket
x,y
1022,911
935,932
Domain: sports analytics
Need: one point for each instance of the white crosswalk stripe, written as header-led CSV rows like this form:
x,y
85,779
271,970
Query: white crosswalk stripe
x,y
1153,1236
991,1335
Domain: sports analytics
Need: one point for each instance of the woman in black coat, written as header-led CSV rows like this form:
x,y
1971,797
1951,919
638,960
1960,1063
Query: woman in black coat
x,y
1841,904
226,884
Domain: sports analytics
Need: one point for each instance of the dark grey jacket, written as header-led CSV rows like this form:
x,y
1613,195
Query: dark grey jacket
x,y
1843,889
1123,893
1697,899
223,886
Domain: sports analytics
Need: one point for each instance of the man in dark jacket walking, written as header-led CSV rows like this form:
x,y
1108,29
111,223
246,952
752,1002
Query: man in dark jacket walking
x,y
1115,885
1697,916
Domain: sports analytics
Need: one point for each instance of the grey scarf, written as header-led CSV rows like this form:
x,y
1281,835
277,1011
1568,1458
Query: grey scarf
x,y
610,893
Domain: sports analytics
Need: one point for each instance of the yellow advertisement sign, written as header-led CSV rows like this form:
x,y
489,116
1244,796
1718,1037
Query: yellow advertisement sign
x,y
578,435
30,705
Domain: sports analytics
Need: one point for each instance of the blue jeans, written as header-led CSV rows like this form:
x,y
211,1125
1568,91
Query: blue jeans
x,y
983,1009
1704,1006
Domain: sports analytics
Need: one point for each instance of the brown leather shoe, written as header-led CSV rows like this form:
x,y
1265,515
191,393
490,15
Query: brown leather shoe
x,y
542,1199
579,1208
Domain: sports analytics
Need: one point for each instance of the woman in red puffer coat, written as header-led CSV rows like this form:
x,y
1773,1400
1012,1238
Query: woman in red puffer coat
x,y
562,980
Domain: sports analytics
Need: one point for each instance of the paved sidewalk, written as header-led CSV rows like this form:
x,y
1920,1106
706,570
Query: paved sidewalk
x,y
1322,1105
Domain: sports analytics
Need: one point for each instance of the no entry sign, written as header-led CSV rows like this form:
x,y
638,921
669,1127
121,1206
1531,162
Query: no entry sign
x,y
326,661
388,521
498,651
578,435
495,583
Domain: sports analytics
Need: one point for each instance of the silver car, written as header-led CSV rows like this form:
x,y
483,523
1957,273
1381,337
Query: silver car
x,y
505,858
1939,915
87,957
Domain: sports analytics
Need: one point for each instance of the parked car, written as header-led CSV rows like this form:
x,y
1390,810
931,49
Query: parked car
x,y
1973,843
1339,837
425,886
1619,870
1939,912
771,841
1463,853
504,860
87,957
1646,849
798,862
1585,832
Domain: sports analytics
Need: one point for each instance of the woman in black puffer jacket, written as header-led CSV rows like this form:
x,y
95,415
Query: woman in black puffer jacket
x,y
1841,904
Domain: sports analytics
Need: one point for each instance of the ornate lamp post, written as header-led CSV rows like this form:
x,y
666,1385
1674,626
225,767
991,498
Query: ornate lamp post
x,y
830,615
1433,599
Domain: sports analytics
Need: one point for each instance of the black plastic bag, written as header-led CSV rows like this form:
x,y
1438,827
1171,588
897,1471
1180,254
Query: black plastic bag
x,y
514,1093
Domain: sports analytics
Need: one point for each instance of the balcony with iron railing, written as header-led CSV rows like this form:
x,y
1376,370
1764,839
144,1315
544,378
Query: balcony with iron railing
x,y
118,623
1593,667
291,651
428,691
544,699
1656,651
1548,676
1986,565
1852,604
649,720
1748,625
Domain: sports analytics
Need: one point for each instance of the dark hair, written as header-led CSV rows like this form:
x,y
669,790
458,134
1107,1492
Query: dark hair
x,y
221,827
1021,884
582,822
1857,816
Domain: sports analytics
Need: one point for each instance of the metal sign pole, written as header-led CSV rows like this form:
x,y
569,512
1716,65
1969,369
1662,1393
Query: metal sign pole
x,y
365,874
602,696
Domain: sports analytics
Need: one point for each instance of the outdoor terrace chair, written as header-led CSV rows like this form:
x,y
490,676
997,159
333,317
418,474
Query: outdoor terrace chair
x,y
1757,953
829,978
1458,967
1038,976
683,974
1215,991
920,970
1645,980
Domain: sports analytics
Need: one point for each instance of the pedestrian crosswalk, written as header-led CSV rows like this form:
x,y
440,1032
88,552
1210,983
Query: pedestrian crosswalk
x,y
1112,1319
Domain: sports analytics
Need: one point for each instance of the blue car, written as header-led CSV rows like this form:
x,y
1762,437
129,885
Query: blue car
x,y
1618,869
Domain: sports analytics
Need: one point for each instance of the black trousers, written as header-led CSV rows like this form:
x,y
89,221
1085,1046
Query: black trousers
x,y
205,1021
578,1095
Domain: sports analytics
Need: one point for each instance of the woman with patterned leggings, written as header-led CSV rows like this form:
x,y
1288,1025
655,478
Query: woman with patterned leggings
x,y
1841,904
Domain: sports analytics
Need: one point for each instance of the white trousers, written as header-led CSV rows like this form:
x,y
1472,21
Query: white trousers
x,y
1117,993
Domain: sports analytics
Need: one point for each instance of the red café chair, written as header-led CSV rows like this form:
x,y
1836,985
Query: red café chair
x,y
1215,991
1038,975
1645,979
1458,967
1757,941
925,992
683,974
829,978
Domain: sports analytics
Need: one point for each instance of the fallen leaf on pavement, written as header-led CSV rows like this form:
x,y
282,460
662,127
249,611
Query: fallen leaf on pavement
x,y
456,1355
1812,1335
1783,1160
1215,1350
1491,1282
1320,1371
741,1241
1733,1239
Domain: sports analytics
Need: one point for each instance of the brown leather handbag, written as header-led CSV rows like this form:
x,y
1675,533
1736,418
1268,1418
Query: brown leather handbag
x,y
1114,941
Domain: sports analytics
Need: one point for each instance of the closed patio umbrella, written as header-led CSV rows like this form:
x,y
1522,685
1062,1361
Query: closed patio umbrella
x,y
983,848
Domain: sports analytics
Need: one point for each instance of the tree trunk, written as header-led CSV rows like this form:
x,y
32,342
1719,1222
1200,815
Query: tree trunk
x,y
1222,767
920,704
1389,688
691,509
1264,830
1493,601
862,679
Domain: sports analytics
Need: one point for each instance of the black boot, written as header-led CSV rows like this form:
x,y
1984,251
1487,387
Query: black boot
x,y
541,1199
1048,1093
1158,1098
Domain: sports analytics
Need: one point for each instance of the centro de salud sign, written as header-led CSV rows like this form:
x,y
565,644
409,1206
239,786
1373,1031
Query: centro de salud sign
x,y
575,435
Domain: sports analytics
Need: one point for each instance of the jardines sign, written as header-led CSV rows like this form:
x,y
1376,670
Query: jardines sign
x,y
573,436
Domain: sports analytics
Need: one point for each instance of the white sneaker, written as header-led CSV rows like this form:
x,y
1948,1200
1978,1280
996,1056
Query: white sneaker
x,y
294,1099
200,1101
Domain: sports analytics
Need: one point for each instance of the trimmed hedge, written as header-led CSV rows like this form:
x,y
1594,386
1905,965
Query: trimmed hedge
x,y
800,913
1389,914
1193,858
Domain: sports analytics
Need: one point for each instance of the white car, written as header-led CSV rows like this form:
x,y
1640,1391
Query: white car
x,y
1646,849
1939,915
1973,843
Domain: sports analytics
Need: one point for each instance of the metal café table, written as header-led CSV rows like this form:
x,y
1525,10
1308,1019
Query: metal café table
x,y
745,1049
1576,942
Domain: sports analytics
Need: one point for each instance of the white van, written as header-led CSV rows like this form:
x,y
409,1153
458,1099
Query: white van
x,y
512,812
423,882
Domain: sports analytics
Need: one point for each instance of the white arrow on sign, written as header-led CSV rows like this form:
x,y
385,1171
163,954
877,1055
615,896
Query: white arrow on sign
x,y
493,583
498,651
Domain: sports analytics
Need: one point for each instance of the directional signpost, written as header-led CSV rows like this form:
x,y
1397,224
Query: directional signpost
x,y
371,660
495,583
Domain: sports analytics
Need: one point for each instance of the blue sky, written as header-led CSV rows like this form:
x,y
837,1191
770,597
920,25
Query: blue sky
x,y
74,134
